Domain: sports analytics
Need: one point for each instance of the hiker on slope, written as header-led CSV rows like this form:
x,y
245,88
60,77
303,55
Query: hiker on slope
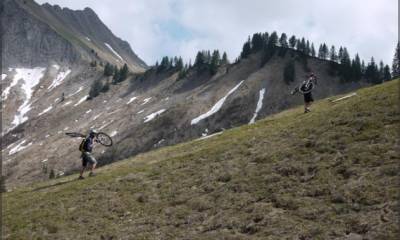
x,y
306,88
86,148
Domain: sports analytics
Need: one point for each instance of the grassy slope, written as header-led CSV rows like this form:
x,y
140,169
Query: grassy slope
x,y
293,175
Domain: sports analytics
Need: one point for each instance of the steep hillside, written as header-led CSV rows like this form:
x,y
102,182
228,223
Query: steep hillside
x,y
145,111
330,174
38,35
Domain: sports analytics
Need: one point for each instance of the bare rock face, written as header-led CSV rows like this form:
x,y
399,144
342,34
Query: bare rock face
x,y
34,35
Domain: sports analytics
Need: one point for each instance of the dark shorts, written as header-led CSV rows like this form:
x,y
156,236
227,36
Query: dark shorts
x,y
308,97
87,157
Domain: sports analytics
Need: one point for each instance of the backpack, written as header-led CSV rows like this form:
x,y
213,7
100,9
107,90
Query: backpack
x,y
82,145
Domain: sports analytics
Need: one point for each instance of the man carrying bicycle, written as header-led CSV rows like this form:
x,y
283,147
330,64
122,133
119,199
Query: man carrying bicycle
x,y
86,148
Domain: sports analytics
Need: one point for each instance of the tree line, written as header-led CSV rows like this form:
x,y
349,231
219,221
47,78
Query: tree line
x,y
350,69
118,75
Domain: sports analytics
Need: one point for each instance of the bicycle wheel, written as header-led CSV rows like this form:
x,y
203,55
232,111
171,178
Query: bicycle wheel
x,y
104,139
75,134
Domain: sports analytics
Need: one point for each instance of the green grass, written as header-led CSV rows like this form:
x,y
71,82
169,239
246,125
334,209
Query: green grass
x,y
321,175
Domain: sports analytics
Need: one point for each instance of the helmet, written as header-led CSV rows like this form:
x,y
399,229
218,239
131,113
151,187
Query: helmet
x,y
93,132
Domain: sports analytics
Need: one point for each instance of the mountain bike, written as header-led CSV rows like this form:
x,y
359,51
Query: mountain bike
x,y
100,137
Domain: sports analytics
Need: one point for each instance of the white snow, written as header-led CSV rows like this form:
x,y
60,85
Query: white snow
x,y
131,100
30,77
82,100
3,76
259,106
141,111
45,111
146,100
19,147
113,133
56,66
88,111
45,160
209,136
66,128
77,91
56,99
47,136
88,39
97,116
59,78
113,51
153,115
67,103
216,107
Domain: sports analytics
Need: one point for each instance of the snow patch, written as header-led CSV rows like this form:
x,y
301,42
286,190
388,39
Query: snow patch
x,y
113,51
77,91
59,78
131,100
259,106
141,111
81,101
153,115
88,39
30,77
146,100
3,76
209,136
88,111
45,111
113,133
216,107
57,67
97,116
67,103
19,148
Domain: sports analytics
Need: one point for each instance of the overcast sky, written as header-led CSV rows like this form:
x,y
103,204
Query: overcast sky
x,y
155,28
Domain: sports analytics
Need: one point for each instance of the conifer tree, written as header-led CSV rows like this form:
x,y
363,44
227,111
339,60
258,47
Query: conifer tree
x,y
123,73
386,74
292,41
246,49
313,53
283,40
257,42
332,54
224,59
396,62
117,76
215,62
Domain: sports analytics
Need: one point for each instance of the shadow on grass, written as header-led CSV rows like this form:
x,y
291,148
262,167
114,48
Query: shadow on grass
x,y
54,185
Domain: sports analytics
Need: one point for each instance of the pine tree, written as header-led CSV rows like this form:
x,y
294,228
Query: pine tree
x,y
307,49
200,59
224,59
283,40
332,54
269,49
257,42
386,74
396,62
371,73
215,62
108,70
303,45
179,64
292,41
313,53
117,76
164,65
320,52
298,45
356,68
95,88
325,51
246,49
123,73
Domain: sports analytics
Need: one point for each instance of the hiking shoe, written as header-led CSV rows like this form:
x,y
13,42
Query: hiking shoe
x,y
307,110
81,178
91,174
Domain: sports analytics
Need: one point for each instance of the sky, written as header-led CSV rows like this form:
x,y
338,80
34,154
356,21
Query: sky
x,y
156,28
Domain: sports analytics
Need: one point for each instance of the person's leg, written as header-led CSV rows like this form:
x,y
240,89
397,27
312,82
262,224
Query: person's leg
x,y
93,163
